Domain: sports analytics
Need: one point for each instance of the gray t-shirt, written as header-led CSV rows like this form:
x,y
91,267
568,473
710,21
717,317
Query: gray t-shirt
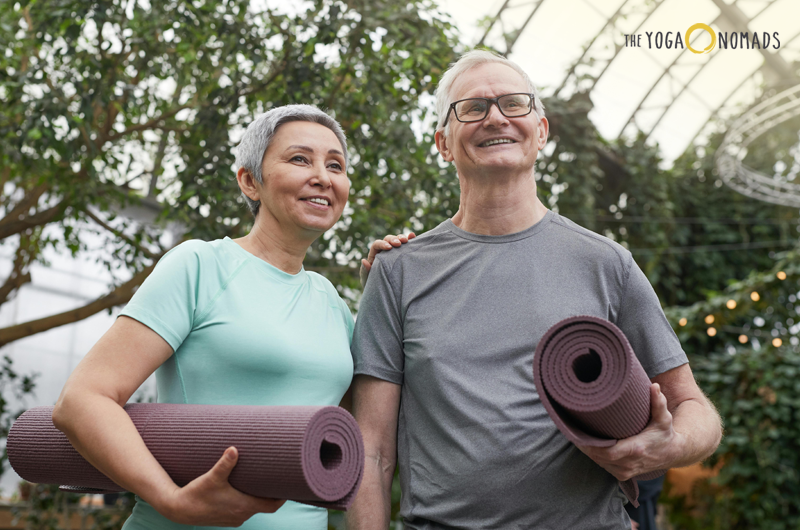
x,y
454,318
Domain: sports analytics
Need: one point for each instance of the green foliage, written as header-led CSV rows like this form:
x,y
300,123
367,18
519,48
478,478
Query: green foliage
x,y
752,376
49,508
109,108
18,387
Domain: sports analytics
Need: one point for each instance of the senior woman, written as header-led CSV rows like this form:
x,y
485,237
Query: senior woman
x,y
228,322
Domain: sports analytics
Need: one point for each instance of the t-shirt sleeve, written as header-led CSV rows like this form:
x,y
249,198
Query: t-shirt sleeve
x,y
167,300
378,336
644,323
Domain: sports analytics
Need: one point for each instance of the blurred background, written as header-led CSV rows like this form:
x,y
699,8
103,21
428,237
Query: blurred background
x,y
118,126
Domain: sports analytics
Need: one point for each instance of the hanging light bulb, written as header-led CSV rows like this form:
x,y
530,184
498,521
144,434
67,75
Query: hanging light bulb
x,y
731,304
711,331
743,339
781,275
755,297
709,319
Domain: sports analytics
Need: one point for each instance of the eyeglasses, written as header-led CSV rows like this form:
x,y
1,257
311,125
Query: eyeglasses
x,y
476,109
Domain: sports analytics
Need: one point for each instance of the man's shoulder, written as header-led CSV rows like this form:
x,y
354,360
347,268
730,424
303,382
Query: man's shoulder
x,y
425,242
589,244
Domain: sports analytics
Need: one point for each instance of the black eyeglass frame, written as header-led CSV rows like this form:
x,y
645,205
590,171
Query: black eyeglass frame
x,y
489,102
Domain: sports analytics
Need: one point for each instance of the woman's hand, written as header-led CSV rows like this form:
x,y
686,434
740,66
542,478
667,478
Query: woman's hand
x,y
210,500
379,246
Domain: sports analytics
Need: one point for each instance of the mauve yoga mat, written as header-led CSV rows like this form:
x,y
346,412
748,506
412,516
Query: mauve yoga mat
x,y
593,386
313,455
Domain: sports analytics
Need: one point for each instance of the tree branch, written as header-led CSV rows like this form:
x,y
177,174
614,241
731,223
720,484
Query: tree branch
x,y
150,124
119,234
10,227
120,295
17,278
30,199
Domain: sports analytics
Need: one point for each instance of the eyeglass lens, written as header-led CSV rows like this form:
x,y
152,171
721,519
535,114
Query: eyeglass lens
x,y
477,109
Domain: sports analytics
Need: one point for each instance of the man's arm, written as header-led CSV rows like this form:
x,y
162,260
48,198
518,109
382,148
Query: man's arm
x,y
684,428
376,405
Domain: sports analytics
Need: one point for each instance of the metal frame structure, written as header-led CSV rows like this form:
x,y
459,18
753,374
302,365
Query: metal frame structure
x,y
595,61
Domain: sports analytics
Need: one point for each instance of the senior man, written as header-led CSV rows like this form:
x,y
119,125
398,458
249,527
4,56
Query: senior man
x,y
448,324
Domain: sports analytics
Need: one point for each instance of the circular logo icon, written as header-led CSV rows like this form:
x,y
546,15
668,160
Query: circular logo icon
x,y
710,31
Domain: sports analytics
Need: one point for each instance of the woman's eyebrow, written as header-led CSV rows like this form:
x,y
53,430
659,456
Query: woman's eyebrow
x,y
311,150
301,147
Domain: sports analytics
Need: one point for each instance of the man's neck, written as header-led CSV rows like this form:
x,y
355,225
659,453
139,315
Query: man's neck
x,y
497,205
270,243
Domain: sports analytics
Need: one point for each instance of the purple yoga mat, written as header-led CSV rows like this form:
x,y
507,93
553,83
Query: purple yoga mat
x,y
313,455
593,386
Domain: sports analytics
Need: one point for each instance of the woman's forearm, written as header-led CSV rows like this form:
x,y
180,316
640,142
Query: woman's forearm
x,y
103,433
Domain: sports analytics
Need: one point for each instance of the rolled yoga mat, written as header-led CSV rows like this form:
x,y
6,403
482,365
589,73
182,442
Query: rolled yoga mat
x,y
593,386
312,455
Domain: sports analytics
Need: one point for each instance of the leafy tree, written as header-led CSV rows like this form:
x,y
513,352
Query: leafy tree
x,y
111,110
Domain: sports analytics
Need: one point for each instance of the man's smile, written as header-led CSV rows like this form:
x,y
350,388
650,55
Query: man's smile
x,y
497,141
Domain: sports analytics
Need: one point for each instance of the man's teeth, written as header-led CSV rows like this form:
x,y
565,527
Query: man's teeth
x,y
498,141
319,201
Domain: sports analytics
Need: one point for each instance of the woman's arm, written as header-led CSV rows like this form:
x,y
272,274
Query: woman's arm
x,y
89,411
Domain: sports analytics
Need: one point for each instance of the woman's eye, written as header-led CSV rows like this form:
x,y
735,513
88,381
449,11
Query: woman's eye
x,y
299,158
336,166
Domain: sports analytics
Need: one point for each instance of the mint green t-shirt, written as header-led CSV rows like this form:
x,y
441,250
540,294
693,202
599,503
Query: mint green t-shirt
x,y
244,333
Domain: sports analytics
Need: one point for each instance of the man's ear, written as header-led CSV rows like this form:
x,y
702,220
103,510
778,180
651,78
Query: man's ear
x,y
247,183
543,131
441,145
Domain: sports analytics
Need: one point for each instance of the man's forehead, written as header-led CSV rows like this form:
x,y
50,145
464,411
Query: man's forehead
x,y
488,80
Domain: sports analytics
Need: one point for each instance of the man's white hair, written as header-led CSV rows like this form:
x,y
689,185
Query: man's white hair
x,y
261,131
467,62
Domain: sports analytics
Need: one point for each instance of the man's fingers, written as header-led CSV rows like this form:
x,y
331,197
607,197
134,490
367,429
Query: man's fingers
x,y
394,241
658,406
222,469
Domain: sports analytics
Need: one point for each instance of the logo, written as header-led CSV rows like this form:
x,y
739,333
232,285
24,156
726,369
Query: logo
x,y
722,40
710,31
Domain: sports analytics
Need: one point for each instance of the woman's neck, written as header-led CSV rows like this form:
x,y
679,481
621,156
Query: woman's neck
x,y
271,244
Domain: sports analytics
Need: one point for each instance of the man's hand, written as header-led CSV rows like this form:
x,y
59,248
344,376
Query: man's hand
x,y
655,448
210,500
387,243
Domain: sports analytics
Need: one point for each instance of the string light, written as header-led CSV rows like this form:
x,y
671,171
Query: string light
x,y
711,332
777,342
710,319
731,304
682,322
755,297
781,275
743,339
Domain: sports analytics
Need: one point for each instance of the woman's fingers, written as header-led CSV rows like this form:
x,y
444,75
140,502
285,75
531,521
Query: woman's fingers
x,y
222,469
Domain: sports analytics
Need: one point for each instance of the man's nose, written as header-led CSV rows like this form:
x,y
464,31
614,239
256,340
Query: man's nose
x,y
495,117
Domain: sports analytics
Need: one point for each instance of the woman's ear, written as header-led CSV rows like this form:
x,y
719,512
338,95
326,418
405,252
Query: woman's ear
x,y
441,145
247,183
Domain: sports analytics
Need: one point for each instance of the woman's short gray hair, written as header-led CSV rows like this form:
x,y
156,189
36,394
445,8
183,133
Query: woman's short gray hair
x,y
259,134
466,62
